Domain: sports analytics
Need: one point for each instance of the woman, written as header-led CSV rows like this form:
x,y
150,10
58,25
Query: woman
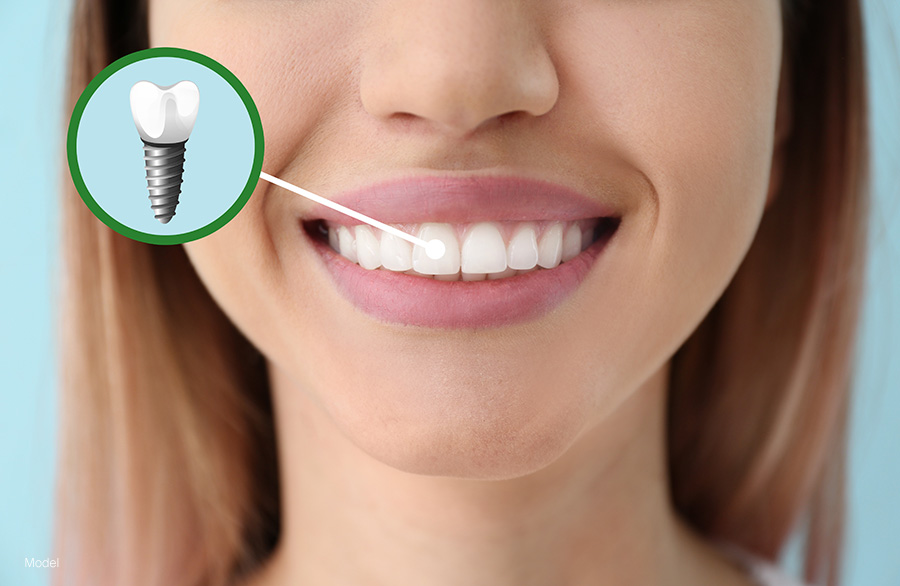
x,y
663,407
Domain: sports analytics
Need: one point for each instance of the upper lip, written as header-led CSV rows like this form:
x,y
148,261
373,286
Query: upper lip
x,y
465,199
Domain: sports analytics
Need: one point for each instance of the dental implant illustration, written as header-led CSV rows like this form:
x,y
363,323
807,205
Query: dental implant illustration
x,y
164,117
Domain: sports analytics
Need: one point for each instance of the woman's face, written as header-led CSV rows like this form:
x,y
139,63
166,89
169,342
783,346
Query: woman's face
x,y
657,114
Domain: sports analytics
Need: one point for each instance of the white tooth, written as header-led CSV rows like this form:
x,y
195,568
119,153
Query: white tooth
x,y
347,243
368,249
571,246
550,246
447,264
523,248
483,250
503,275
333,239
473,276
396,253
418,274
454,277
164,115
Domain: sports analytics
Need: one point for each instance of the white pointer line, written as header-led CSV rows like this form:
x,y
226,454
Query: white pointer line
x,y
434,249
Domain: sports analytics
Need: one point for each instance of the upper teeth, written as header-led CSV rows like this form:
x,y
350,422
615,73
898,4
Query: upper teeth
x,y
164,115
488,250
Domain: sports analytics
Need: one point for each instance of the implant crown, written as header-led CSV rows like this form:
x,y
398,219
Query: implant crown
x,y
164,114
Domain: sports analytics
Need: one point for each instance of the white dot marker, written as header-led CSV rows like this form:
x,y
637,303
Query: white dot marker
x,y
434,249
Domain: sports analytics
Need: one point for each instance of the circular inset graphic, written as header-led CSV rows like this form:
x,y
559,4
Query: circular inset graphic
x,y
165,146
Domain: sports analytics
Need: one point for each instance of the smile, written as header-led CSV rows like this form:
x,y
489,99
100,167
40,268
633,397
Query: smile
x,y
515,249
473,252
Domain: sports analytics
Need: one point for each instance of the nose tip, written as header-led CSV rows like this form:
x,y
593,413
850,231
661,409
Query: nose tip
x,y
458,65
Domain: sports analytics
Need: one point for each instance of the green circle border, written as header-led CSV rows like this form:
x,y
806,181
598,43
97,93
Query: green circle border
x,y
78,112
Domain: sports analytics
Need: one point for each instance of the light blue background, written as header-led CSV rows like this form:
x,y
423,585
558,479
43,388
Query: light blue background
x,y
32,36
219,154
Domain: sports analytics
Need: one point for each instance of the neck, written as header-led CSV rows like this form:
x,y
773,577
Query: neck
x,y
600,514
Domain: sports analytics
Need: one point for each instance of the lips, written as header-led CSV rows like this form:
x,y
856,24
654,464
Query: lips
x,y
470,214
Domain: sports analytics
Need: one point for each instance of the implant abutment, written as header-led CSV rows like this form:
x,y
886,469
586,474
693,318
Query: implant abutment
x,y
164,165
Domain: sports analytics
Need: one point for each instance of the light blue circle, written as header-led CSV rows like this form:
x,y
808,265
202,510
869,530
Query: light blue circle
x,y
218,158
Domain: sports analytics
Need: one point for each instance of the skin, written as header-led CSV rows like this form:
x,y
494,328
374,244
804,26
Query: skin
x,y
530,454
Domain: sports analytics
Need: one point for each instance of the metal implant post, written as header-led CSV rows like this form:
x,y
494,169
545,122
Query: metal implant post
x,y
164,164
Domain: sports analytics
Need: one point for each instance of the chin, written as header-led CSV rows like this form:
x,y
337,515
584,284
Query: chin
x,y
479,432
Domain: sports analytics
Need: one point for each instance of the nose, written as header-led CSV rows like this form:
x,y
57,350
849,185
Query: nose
x,y
456,63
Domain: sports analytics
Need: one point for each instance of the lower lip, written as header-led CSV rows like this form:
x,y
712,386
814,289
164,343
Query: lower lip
x,y
416,301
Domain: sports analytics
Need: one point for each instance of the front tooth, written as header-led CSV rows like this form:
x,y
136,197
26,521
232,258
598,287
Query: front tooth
x,y
523,248
473,276
503,275
347,243
571,246
164,115
483,250
368,249
550,247
396,253
447,264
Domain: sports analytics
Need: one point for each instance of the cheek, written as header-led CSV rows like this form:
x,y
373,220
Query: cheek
x,y
687,94
295,73
293,70
241,271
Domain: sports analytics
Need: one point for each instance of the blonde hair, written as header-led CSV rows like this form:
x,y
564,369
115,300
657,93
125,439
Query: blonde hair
x,y
168,472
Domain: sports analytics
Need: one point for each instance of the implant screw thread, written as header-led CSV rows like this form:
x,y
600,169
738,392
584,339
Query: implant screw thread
x,y
164,164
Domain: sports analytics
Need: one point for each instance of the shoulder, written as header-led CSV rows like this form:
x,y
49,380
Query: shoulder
x,y
761,571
